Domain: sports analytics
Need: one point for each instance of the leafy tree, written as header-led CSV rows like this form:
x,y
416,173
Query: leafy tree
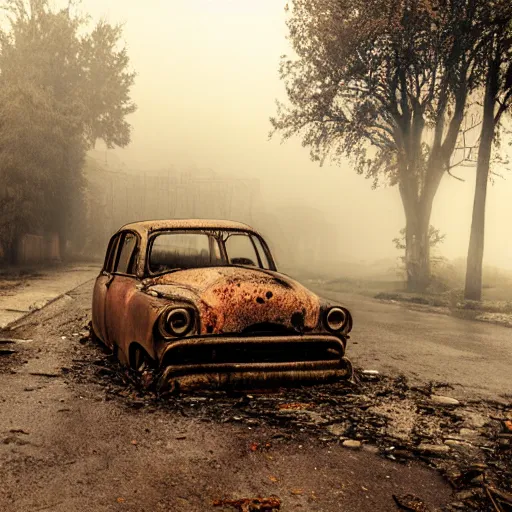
x,y
62,87
496,44
385,83
32,136
105,67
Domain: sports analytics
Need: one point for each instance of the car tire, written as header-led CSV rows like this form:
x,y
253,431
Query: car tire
x,y
139,359
167,387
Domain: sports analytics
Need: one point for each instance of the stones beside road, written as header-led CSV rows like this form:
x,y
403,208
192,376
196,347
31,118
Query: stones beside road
x,y
444,400
437,450
352,444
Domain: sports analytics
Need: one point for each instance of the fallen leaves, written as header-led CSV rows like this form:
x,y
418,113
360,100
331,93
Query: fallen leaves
x,y
257,446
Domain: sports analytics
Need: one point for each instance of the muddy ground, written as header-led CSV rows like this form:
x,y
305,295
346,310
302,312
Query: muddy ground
x,y
78,432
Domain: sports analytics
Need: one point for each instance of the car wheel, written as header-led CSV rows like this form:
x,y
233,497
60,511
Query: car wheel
x,y
167,387
139,360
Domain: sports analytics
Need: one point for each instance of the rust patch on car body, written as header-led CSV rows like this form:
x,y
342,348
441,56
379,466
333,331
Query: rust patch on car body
x,y
232,299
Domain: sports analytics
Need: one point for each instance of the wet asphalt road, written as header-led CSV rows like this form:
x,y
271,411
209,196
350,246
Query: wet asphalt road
x,y
475,357
66,446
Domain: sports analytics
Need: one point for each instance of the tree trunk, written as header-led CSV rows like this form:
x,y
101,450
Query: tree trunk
x,y
417,250
473,287
418,210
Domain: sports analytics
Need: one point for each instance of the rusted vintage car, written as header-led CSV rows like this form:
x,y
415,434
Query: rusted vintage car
x,y
202,303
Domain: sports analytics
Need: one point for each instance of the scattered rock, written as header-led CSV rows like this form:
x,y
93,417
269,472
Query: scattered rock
x,y
443,400
461,447
464,495
371,448
45,374
473,419
352,444
468,433
15,440
433,449
454,442
338,429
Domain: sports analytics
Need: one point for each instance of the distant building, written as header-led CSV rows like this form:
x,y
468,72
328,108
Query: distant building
x,y
115,197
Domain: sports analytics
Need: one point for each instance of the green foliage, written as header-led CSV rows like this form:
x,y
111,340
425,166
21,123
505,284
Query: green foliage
x,y
62,87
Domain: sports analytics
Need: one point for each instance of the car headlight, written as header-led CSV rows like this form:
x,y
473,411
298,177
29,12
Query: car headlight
x,y
336,319
176,322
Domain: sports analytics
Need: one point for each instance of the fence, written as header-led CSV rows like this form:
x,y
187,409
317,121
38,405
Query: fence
x,y
115,198
35,249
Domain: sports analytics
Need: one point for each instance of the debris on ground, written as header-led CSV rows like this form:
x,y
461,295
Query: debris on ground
x,y
443,400
411,503
251,504
351,443
469,442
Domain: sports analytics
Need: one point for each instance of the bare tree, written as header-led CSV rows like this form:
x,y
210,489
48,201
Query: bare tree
x,y
496,65
386,83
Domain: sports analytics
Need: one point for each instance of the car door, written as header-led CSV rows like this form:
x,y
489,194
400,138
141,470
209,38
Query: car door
x,y
121,287
101,285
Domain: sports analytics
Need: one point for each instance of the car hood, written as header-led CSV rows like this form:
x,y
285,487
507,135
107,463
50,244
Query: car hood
x,y
232,299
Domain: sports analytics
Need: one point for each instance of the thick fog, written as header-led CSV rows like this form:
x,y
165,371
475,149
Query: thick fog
x,y
206,87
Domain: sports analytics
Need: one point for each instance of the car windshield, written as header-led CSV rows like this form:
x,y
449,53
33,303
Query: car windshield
x,y
172,250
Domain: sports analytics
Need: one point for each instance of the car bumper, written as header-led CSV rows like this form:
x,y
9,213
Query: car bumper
x,y
255,361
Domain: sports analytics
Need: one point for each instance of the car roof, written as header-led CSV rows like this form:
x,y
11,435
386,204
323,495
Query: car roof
x,y
147,226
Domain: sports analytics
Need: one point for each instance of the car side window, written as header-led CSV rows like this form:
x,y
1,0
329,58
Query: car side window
x,y
127,254
263,255
111,252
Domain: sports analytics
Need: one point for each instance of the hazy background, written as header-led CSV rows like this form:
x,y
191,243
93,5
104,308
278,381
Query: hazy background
x,y
207,84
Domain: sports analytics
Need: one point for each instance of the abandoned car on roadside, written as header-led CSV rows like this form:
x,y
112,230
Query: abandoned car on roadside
x,y
202,303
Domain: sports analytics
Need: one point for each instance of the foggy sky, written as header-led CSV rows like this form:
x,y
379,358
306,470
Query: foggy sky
x,y
206,86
